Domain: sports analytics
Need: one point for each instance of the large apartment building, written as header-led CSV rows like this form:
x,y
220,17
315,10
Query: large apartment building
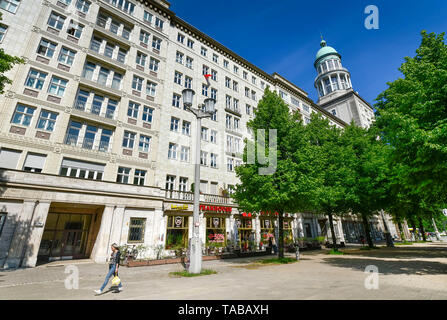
x,y
97,147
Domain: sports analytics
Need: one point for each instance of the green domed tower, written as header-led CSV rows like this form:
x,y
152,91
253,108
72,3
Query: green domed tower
x,y
332,77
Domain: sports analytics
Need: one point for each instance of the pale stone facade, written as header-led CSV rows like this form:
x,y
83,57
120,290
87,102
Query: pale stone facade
x,y
89,124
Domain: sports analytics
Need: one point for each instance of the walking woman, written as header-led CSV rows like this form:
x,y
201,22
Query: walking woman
x,y
113,268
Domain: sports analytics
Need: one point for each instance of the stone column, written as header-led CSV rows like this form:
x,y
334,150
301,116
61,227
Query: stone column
x,y
101,251
117,225
21,235
35,235
322,86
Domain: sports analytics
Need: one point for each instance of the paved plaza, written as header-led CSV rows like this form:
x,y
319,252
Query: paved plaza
x,y
418,271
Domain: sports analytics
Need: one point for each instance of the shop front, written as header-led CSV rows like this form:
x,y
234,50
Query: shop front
x,y
245,232
177,231
216,228
267,225
288,234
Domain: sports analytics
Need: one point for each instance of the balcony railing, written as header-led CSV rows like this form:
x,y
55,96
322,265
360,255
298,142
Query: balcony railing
x,y
82,106
189,196
86,143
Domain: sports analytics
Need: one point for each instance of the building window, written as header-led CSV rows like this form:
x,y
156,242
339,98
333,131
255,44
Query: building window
x,y
204,90
230,164
147,114
188,82
227,82
136,230
46,120
3,30
180,38
203,158
186,128
213,136
159,23
57,86
179,57
174,124
170,182
56,20
46,48
139,177
137,83
184,154
141,59
75,29
253,80
153,65
214,116
156,43
67,56
334,112
23,115
213,160
189,62
128,139
214,75
83,5
245,75
183,184
9,5
225,64
203,51
144,36
253,95
205,70
35,79
81,169
132,111
144,144
178,77
215,58
236,69
116,81
176,100
213,93
204,134
235,86
190,44
172,152
306,108
147,17
151,88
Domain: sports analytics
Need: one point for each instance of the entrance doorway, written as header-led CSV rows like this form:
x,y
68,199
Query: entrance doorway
x,y
65,237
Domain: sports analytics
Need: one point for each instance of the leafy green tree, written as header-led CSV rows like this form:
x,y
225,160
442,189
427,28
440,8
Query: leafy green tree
x,y
331,175
7,62
412,117
274,192
368,161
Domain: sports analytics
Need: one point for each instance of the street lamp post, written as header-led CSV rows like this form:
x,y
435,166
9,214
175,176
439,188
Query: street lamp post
x,y
195,265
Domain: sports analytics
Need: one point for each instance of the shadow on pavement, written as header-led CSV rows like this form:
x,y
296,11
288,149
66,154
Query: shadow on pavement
x,y
389,267
404,252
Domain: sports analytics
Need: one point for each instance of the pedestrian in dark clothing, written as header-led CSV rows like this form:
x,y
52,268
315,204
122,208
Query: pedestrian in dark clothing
x,y
113,268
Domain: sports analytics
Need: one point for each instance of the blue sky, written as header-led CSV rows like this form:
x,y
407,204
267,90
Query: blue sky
x,y
283,36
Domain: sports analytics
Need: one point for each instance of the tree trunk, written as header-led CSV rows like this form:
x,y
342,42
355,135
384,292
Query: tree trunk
x,y
421,228
334,238
402,233
367,230
281,235
413,226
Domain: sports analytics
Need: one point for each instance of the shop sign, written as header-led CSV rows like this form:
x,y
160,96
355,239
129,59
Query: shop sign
x,y
179,207
220,209
216,237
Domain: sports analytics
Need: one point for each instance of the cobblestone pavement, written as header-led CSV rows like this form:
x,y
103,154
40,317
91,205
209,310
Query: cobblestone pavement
x,y
418,271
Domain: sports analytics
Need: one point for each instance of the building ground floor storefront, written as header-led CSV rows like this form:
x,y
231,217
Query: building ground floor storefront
x,y
46,218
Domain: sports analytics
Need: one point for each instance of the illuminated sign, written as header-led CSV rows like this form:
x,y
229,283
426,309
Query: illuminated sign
x,y
179,207
215,208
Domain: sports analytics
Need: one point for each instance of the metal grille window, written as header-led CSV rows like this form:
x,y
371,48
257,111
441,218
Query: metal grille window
x,y
47,120
136,229
35,79
139,177
56,20
23,115
144,143
67,56
128,139
57,86
123,175
46,48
